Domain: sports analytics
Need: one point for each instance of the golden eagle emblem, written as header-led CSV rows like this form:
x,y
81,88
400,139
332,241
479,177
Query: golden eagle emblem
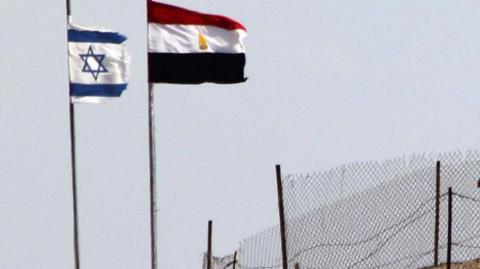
x,y
202,42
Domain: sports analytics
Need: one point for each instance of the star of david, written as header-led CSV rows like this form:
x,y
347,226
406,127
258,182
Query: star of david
x,y
93,63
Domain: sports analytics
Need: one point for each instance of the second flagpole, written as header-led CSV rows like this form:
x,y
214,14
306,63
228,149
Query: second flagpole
x,y
153,183
152,163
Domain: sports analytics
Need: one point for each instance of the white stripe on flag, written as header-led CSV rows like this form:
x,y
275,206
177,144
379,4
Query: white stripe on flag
x,y
90,99
116,62
177,38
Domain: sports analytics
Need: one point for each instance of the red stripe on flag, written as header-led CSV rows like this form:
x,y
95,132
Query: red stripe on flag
x,y
167,14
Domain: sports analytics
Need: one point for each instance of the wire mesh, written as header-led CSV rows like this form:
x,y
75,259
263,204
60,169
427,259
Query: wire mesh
x,y
465,228
365,229
374,215
261,251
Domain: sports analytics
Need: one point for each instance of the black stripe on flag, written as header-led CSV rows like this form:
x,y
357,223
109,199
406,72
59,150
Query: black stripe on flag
x,y
196,68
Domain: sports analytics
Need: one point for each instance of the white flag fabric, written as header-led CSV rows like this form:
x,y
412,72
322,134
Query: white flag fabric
x,y
98,64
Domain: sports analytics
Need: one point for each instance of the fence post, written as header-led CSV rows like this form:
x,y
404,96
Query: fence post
x,y
449,242
235,260
297,266
209,246
281,212
437,214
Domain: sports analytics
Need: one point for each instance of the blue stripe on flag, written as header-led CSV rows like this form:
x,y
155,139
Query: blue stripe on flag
x,y
99,90
95,37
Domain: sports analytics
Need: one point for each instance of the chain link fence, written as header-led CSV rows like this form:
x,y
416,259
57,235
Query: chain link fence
x,y
261,251
465,228
374,215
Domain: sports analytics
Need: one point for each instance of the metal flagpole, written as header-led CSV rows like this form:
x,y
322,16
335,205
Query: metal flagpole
x,y
153,192
74,186
152,165
74,166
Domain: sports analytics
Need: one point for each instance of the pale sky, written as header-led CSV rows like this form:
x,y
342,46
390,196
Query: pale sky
x,y
331,82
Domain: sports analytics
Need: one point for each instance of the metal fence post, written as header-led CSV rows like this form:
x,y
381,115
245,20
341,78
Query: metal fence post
x,y
449,240
437,214
209,245
235,260
281,212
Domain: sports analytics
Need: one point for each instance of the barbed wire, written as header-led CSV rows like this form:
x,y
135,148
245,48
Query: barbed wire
x,y
409,219
472,199
387,240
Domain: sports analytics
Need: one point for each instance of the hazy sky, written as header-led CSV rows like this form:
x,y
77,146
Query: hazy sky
x,y
331,82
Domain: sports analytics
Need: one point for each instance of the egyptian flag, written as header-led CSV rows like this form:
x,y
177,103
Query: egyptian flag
x,y
188,47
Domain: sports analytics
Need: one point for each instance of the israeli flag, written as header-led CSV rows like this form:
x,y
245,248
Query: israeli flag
x,y
98,63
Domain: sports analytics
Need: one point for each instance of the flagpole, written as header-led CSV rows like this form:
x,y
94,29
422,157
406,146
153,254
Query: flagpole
x,y
153,183
152,163
74,166
74,187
